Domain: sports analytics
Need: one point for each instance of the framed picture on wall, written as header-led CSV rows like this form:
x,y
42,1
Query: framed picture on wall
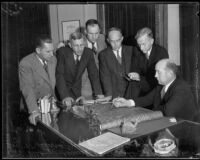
x,y
69,27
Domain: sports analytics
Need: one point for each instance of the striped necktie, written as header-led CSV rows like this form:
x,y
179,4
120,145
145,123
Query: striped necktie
x,y
118,57
94,48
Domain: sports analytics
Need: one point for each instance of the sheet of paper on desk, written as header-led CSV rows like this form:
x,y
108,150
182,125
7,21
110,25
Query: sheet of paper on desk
x,y
104,142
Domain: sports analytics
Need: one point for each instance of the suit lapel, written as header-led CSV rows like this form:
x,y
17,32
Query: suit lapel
x,y
82,64
152,56
51,70
41,71
167,94
39,68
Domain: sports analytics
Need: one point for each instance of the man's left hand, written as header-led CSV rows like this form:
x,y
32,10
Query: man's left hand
x,y
121,102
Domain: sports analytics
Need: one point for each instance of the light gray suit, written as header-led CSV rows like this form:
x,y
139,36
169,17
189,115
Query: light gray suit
x,y
86,89
34,80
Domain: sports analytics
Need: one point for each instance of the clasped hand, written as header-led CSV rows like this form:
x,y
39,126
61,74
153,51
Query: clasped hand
x,y
121,102
134,76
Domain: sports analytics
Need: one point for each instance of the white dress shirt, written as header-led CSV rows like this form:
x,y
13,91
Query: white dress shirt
x,y
120,52
90,44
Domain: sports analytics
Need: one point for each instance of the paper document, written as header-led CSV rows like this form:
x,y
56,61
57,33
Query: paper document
x,y
104,142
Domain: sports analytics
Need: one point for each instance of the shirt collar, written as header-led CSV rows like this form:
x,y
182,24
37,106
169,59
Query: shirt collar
x,y
42,61
167,86
79,57
90,44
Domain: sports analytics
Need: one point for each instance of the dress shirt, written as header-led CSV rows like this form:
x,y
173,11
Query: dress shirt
x,y
148,53
75,57
90,44
120,52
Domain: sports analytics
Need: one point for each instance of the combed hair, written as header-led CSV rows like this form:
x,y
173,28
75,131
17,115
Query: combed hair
x,y
144,31
75,36
114,29
40,40
172,66
92,22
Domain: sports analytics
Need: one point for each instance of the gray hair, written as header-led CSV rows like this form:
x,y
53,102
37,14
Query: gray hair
x,y
75,36
144,31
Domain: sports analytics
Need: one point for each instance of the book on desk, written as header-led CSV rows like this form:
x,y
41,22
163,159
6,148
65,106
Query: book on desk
x,y
104,143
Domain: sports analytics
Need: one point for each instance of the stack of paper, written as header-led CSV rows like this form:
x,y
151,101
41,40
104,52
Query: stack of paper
x,y
103,143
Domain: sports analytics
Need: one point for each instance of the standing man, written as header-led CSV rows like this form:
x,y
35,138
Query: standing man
x,y
37,76
114,64
152,53
96,42
72,62
173,96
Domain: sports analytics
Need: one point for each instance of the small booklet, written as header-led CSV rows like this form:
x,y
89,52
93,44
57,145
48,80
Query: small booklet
x,y
104,142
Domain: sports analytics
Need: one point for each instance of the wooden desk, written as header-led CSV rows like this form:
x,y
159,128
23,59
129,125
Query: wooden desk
x,y
66,130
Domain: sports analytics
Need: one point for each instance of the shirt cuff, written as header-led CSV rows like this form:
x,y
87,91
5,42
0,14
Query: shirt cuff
x,y
132,103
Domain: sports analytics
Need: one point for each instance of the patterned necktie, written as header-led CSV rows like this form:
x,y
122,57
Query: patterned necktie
x,y
94,48
77,59
162,93
118,57
45,67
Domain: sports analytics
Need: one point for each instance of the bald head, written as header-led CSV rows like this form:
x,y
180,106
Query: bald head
x,y
166,71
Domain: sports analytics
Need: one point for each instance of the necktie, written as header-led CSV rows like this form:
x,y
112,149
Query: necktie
x,y
45,66
118,57
77,59
94,48
162,93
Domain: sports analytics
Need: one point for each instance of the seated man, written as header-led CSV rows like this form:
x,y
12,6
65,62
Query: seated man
x,y
71,65
174,98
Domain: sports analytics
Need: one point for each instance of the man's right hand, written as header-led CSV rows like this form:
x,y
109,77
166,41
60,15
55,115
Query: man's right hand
x,y
33,116
68,102
134,76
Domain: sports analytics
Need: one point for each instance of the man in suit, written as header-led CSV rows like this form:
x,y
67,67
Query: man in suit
x,y
72,62
173,96
35,81
96,42
151,54
114,64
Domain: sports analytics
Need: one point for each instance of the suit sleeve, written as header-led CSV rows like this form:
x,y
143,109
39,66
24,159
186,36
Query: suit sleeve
x,y
174,106
145,100
27,86
105,75
94,75
62,88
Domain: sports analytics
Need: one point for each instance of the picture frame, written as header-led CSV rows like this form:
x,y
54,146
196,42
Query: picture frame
x,y
69,27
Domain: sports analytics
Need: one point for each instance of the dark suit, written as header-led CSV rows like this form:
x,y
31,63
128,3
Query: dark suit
x,y
147,67
178,101
86,90
34,81
68,79
111,72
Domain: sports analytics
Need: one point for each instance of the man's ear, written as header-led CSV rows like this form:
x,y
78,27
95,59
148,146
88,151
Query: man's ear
x,y
70,45
152,40
108,40
37,50
122,38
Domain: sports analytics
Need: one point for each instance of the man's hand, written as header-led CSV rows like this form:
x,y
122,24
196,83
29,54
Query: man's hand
x,y
122,102
68,102
102,99
80,100
134,76
32,117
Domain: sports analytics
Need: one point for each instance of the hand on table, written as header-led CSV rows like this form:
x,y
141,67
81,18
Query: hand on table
x,y
121,102
33,116
68,102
